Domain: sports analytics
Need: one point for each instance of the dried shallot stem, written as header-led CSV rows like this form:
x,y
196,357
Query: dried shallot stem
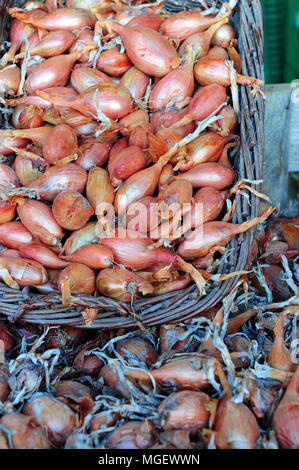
x,y
234,87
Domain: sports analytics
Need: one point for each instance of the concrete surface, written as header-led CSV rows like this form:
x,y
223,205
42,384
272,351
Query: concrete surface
x,y
281,160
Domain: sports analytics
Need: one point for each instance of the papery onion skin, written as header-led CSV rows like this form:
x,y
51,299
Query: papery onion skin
x,y
286,416
167,119
60,178
14,235
124,16
87,129
71,210
218,52
185,23
38,218
112,379
148,20
24,432
76,392
9,80
40,102
8,178
83,78
137,349
7,212
18,32
205,148
113,62
99,189
131,252
187,410
129,161
173,337
102,420
27,117
29,169
166,174
200,42
139,136
24,272
211,70
214,234
224,36
135,119
60,143
80,277
87,363
42,254
7,142
84,236
53,72
118,146
236,426
205,101
67,19
199,242
84,37
94,256
88,4
6,337
33,40
186,373
114,101
212,202
93,154
176,86
36,134
4,388
150,218
136,82
10,253
58,419
175,285
65,337
148,50
177,193
133,435
209,174
121,284
228,123
139,185
73,118
53,44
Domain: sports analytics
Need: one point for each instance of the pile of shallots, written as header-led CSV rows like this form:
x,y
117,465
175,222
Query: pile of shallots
x,y
115,170
228,380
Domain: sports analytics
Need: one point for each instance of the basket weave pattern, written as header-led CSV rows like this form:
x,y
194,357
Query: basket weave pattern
x,y
184,304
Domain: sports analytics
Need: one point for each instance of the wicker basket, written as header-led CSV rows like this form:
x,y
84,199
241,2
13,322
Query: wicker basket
x,y
184,304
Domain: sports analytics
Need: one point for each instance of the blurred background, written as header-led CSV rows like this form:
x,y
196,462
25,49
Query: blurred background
x,y
281,27
281,164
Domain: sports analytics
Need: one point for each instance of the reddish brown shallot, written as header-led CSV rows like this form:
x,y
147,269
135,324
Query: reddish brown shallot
x,y
65,19
76,278
286,416
160,57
